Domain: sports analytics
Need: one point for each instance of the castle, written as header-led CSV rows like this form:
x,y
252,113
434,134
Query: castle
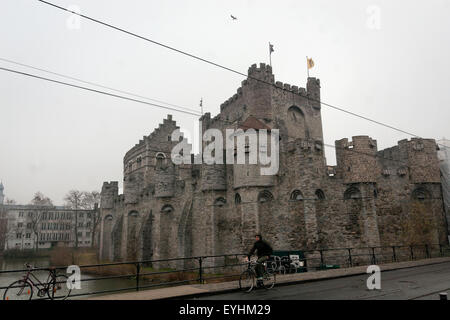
x,y
370,198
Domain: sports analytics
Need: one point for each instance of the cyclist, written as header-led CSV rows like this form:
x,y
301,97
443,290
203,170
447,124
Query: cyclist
x,y
263,251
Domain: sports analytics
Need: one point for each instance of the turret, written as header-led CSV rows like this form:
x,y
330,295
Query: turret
x,y
110,191
357,159
313,90
423,162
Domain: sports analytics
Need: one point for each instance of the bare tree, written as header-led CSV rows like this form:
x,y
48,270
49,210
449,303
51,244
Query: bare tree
x,y
75,200
91,201
43,203
10,201
36,218
40,199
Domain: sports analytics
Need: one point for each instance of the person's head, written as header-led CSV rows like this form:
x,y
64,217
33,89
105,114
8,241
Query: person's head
x,y
258,237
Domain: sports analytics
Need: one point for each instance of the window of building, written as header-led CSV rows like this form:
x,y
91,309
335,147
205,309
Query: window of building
x,y
28,235
296,195
18,236
237,198
352,193
265,196
220,202
320,195
20,225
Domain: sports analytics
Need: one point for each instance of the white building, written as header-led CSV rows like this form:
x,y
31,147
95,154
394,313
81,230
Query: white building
x,y
28,226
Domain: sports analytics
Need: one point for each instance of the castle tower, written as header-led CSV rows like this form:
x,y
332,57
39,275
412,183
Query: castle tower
x,y
357,159
2,196
108,195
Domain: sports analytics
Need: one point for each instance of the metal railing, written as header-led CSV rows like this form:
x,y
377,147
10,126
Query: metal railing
x,y
199,269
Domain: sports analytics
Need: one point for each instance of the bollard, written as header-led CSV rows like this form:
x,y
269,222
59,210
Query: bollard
x,y
200,270
443,296
394,255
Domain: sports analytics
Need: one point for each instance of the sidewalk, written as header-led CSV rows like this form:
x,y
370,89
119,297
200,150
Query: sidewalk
x,y
185,291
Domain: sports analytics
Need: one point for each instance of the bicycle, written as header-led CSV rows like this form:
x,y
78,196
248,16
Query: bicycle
x,y
23,289
248,277
274,265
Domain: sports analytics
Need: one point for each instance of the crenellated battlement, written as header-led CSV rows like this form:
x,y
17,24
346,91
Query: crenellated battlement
x,y
263,70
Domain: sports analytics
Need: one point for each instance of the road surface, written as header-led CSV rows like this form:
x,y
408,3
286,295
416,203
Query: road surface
x,y
421,282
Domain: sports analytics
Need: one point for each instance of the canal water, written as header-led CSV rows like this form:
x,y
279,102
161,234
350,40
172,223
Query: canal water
x,y
86,286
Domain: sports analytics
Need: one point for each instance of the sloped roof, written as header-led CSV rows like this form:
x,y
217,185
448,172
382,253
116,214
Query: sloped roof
x,y
253,123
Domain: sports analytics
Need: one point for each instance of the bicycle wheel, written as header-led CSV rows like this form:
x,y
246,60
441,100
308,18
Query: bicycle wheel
x,y
246,281
269,280
19,290
58,288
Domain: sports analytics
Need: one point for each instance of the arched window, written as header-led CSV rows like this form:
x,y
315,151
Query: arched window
x,y
160,158
108,217
296,123
237,198
295,114
133,214
265,196
296,195
352,193
220,202
320,195
421,194
167,209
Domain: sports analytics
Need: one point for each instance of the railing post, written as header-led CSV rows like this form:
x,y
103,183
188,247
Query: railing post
x,y
374,260
412,252
427,252
321,257
350,257
441,253
394,255
200,270
138,271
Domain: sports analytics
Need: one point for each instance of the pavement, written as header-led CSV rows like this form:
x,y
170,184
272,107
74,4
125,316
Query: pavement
x,y
437,269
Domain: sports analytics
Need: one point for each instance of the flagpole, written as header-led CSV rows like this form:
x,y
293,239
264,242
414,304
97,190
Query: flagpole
x,y
307,66
270,56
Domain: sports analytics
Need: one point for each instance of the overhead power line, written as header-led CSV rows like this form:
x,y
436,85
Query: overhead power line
x,y
94,84
96,91
223,67
182,111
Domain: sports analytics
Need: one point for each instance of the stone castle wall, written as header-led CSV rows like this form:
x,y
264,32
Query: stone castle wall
x,y
371,198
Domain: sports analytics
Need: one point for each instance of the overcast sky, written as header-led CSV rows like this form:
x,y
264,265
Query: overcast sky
x,y
388,60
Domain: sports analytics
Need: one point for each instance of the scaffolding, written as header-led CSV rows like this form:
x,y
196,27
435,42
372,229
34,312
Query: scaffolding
x,y
444,163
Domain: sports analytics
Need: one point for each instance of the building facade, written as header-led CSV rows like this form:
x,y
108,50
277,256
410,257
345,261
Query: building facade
x,y
370,198
43,227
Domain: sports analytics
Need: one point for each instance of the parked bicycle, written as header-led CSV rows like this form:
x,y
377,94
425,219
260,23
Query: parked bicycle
x,y
55,287
248,277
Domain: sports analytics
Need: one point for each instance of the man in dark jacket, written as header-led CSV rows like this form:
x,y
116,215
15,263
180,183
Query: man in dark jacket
x,y
263,251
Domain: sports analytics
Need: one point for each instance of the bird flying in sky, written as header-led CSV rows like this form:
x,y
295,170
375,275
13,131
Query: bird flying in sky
x,y
233,17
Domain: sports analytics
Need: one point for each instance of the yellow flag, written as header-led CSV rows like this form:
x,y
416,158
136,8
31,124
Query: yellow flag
x,y
310,62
